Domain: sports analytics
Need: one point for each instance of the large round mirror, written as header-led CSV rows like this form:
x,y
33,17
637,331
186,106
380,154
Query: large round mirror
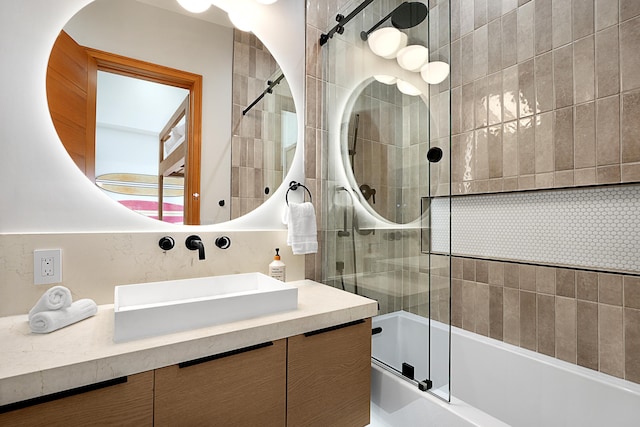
x,y
177,116
384,145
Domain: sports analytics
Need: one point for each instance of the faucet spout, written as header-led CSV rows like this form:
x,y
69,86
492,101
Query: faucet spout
x,y
195,243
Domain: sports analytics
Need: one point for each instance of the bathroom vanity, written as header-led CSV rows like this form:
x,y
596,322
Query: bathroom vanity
x,y
309,366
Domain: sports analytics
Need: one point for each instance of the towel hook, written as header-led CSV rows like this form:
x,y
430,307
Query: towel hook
x,y
293,185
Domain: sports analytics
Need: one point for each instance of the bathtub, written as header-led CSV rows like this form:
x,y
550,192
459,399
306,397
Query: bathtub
x,y
492,383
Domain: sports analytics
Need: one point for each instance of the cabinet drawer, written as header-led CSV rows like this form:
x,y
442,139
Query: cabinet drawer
x,y
113,403
242,388
329,377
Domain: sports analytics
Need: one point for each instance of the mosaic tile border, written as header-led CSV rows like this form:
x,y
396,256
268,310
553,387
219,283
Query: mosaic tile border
x,y
596,228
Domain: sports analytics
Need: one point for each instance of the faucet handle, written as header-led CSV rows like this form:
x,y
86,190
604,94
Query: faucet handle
x,y
194,243
166,243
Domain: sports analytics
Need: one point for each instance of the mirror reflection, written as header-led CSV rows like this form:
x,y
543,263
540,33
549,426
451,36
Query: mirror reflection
x,y
385,147
155,123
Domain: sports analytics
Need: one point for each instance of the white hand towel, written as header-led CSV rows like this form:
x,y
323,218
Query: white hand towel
x,y
55,298
303,234
49,321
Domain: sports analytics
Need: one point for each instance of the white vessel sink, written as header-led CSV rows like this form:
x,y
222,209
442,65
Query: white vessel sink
x,y
156,308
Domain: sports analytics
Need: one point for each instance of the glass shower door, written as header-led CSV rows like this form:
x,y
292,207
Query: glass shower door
x,y
386,198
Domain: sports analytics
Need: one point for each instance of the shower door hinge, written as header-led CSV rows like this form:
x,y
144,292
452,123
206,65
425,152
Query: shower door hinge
x,y
425,385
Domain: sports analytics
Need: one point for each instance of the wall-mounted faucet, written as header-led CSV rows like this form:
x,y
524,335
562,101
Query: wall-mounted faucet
x,y
193,243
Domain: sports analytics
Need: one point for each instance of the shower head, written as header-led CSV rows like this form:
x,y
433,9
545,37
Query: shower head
x,y
406,15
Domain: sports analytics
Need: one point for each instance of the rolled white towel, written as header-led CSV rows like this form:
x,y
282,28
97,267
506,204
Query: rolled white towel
x,y
49,321
55,298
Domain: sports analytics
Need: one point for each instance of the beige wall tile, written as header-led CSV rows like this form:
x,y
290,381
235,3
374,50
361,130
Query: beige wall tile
x,y
546,317
544,82
469,305
494,34
606,13
561,22
544,180
631,291
480,52
629,9
481,166
467,16
495,152
469,269
467,108
455,19
610,288
587,334
563,138
525,31
482,271
608,130
565,282
630,172
510,151
632,344
456,112
480,13
566,329
496,312
511,324
611,340
544,149
456,302
629,58
563,76
480,93
527,101
630,131
608,174
584,69
482,309
587,286
494,10
528,324
526,147
583,18
466,52
585,135
563,179
584,176
527,277
455,75
608,64
526,182
546,280
494,98
543,28
496,273
511,95
509,39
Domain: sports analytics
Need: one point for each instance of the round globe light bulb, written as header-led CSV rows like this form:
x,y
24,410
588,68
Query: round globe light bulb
x,y
383,78
435,72
195,6
413,58
386,42
407,88
240,21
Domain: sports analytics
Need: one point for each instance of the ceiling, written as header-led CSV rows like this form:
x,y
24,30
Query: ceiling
x,y
213,14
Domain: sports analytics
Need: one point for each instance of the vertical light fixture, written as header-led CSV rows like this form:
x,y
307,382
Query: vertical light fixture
x,y
195,6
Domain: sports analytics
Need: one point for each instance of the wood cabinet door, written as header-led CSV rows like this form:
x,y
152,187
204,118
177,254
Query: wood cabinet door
x,y
329,377
126,402
245,387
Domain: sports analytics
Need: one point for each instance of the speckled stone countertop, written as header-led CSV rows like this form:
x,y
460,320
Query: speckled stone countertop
x,y
33,365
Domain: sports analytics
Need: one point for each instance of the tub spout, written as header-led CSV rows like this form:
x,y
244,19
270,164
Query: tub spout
x,y
195,243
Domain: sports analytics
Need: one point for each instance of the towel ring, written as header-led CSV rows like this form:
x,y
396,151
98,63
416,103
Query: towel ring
x,y
293,185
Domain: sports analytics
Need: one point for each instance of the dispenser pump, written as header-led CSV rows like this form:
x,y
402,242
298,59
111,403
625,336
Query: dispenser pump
x,y
277,268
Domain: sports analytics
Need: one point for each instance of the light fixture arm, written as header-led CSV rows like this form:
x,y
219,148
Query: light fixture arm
x,y
364,35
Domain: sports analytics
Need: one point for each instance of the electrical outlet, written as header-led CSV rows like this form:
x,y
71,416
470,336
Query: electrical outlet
x,y
47,266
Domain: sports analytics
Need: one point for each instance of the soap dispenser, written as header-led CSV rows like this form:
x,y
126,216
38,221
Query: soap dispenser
x,y
277,269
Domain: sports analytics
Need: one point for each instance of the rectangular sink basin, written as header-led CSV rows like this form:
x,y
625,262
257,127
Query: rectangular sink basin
x,y
157,308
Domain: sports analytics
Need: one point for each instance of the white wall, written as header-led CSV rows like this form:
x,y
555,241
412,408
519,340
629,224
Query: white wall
x,y
43,191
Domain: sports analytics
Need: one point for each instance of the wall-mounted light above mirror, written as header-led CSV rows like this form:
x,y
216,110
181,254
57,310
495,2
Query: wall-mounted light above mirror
x,y
188,46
